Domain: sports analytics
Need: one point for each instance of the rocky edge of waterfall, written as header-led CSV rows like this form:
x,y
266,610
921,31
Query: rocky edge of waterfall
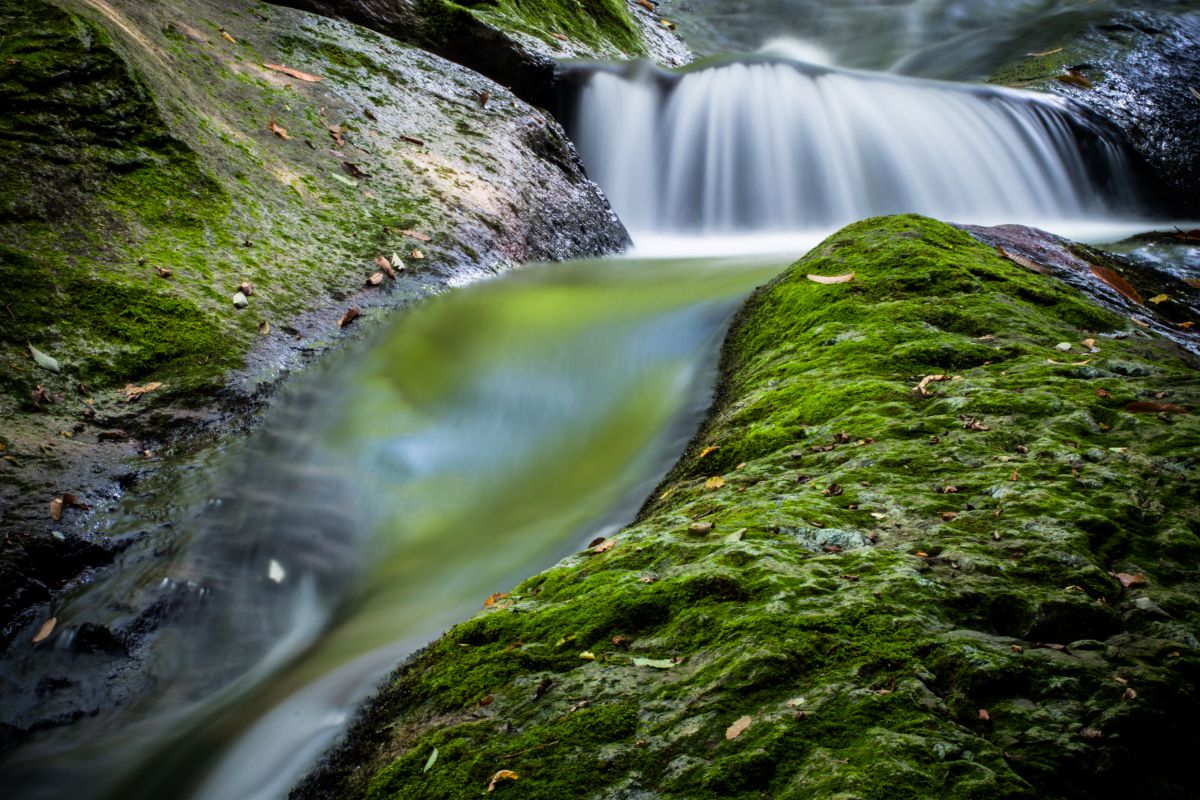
x,y
937,537
203,196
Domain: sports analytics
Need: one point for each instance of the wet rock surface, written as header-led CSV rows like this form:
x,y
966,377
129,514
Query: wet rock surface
x,y
158,157
920,548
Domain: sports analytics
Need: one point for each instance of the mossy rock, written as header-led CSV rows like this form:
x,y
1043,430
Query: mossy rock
x,y
909,594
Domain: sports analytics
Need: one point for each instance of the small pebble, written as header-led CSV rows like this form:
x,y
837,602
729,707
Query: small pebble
x,y
240,300
1063,346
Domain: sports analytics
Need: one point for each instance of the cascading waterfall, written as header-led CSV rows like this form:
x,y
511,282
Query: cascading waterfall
x,y
780,146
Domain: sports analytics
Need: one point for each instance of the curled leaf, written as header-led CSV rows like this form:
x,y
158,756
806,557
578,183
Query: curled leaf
x,y
278,130
494,598
294,73
350,315
502,775
1022,261
1075,78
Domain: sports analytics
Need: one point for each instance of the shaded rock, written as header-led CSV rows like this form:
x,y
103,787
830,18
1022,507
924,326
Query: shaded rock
x,y
864,670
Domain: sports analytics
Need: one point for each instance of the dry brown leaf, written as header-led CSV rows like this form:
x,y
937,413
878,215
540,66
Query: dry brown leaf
x,y
375,279
335,131
278,130
1091,733
605,546
1127,580
246,288
928,379
163,272
386,266
646,4
1015,476
421,237
56,508
560,37
416,254
350,315
984,716
1146,407
1022,261
1130,693
1192,282
849,276
714,483
1088,343
707,451
1075,78
412,140
295,73
45,631
1141,323
1044,53
492,599
1116,282
1187,326
502,775
134,392
738,727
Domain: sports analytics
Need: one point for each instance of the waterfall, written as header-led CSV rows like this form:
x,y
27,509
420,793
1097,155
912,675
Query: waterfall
x,y
779,146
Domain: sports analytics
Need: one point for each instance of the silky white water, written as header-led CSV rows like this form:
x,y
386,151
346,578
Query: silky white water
x,y
775,146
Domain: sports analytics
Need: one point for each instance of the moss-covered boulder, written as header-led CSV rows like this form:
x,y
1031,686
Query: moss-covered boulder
x,y
917,550
156,156
516,42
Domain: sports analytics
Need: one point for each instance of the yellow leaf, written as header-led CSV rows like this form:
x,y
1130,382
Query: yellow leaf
x,y
1159,298
605,546
46,629
502,775
134,392
738,727
494,598
707,451
588,655
714,483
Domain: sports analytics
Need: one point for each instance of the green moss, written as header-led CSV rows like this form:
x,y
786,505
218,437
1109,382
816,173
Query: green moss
x,y
602,24
882,564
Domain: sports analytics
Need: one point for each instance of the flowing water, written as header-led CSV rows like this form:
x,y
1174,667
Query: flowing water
x,y
483,436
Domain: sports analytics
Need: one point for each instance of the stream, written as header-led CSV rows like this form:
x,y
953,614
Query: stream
x,y
481,437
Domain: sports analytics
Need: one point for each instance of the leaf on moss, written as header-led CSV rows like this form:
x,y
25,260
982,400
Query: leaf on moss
x,y
335,132
396,262
163,272
416,254
656,663
294,73
44,361
700,528
340,178
1129,580
351,314
132,392
605,546
1116,282
714,483
421,237
827,279
44,632
984,716
492,599
502,775
354,170
1147,407
375,279
431,761
264,328
738,727
278,130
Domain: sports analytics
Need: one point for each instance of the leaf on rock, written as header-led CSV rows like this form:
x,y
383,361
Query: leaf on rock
x,y
502,775
163,272
417,254
657,663
1127,580
375,279
354,169
561,37
432,760
1022,261
1159,298
350,315
421,237
335,132
1116,282
246,288
1044,53
386,266
132,392
294,73
1147,407
984,716
56,507
492,599
849,276
264,328
738,727
1130,693
44,361
225,35
605,546
1075,78
714,483
396,262
278,130
412,140
340,178
44,632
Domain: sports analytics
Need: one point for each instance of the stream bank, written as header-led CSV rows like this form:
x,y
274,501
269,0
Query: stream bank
x,y
159,156
937,537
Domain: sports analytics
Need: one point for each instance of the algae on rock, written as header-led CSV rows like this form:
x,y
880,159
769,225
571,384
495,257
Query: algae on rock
x,y
910,595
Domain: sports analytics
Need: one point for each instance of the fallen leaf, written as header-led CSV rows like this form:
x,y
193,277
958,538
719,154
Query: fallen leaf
x,y
646,4
340,178
431,761
502,775
1044,53
1015,476
560,37
45,631
849,276
492,599
605,546
588,655
354,170
412,140
921,554
1090,733
700,528
1127,580
44,361
1022,261
707,451
657,663
666,23
1146,407
1130,693
335,132
246,288
714,483
385,265
417,235
396,262
294,73
163,272
375,279
1116,282
1159,298
225,35
1141,323
920,388
949,516
278,130
1016,648
417,254
738,727
264,328
1090,344
833,490
134,392
984,716
1192,282
1075,78
484,96
350,315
